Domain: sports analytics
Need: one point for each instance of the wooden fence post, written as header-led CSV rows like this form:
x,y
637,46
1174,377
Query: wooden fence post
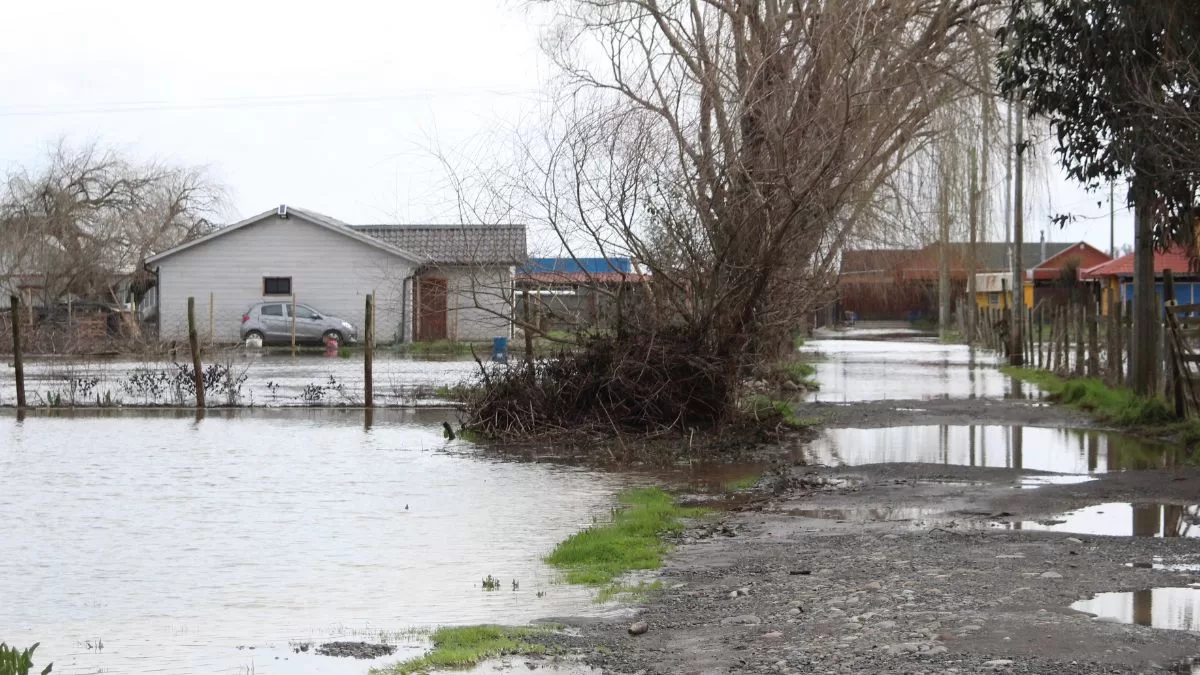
x,y
18,359
1093,340
293,325
212,336
1172,375
528,326
194,343
368,352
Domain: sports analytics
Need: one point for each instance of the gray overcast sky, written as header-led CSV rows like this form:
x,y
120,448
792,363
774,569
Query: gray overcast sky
x,y
270,96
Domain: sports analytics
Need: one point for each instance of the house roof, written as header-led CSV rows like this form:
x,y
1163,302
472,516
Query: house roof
x,y
989,257
582,277
321,220
574,265
432,244
455,244
1175,259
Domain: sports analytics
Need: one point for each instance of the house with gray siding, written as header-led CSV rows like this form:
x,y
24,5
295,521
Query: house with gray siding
x,y
431,282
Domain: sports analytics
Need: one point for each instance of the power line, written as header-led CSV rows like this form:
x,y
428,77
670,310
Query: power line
x,y
252,102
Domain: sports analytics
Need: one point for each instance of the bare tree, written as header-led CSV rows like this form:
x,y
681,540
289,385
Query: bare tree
x,y
89,216
732,147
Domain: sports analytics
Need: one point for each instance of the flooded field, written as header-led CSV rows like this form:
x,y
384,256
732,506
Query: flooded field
x,y
1066,451
913,368
255,379
150,542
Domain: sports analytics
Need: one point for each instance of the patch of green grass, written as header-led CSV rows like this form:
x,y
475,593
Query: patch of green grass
x,y
927,325
628,592
798,341
460,393
761,408
744,483
632,541
440,348
1117,405
460,647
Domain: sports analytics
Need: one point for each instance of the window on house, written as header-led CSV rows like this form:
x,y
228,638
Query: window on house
x,y
277,285
272,310
993,298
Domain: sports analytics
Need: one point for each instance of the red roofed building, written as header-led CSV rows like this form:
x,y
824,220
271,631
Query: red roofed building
x,y
1117,275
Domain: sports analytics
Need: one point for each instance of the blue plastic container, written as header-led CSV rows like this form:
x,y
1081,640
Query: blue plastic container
x,y
500,349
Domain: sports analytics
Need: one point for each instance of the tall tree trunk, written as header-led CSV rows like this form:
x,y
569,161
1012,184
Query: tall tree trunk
x,y
1015,354
973,216
943,253
1145,310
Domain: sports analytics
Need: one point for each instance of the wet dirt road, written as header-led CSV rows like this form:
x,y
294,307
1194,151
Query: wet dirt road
x,y
945,521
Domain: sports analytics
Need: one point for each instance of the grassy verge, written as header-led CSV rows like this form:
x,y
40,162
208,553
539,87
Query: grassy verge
x,y
442,348
632,541
460,647
743,483
1117,405
762,408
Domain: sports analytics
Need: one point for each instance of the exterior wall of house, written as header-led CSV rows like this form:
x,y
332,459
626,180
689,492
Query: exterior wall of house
x,y
330,272
478,301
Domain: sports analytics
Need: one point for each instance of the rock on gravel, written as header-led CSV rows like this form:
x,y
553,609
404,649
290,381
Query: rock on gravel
x,y
639,628
741,620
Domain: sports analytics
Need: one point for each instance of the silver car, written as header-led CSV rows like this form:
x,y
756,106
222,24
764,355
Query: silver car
x,y
271,322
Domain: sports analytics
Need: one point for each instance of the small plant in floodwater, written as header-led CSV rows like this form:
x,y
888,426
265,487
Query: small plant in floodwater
x,y
18,662
541,594
462,647
516,586
491,583
273,387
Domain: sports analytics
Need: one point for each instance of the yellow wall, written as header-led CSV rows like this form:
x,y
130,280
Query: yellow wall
x,y
981,299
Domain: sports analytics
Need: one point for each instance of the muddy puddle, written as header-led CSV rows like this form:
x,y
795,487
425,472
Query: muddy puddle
x,y
1061,451
1167,608
1121,520
139,543
916,368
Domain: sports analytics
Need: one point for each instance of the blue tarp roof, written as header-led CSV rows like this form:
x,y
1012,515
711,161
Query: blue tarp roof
x,y
572,265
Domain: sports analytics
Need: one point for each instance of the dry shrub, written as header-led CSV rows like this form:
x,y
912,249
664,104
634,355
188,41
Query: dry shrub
x,y
644,384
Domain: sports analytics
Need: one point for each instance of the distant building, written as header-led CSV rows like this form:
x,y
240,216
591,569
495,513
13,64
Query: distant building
x,y
1117,276
902,284
565,294
431,282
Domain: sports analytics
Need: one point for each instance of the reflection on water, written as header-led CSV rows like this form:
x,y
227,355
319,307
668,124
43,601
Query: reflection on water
x,y
175,541
870,370
1122,520
1055,450
1170,608
864,515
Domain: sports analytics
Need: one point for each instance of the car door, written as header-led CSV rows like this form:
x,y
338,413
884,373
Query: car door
x,y
274,318
308,324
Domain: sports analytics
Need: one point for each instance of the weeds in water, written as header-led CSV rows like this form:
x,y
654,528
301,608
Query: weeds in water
x,y
628,592
19,662
631,541
743,483
491,583
762,408
462,647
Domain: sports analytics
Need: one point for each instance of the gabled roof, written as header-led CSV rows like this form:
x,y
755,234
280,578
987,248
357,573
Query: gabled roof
x,y
455,244
1175,259
321,220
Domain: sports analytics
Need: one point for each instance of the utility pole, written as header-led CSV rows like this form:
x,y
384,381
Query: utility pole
x,y
973,216
1008,179
943,250
1112,217
1015,352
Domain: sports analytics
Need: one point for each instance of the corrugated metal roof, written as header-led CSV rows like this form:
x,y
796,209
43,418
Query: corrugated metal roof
x,y
454,244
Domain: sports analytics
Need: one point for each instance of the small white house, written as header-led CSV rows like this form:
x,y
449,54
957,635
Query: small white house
x,y
430,282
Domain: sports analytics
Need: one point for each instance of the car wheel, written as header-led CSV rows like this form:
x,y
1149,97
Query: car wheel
x,y
254,334
333,335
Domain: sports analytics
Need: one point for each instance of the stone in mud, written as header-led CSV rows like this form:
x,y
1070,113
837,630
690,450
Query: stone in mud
x,y
1051,575
741,620
1073,540
998,663
357,650
874,586
773,635
639,628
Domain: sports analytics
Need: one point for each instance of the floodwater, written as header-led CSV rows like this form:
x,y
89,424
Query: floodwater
x,y
271,380
1121,520
850,368
1169,608
1063,451
213,546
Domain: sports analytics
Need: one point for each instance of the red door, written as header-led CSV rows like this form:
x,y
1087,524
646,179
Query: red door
x,y
430,309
